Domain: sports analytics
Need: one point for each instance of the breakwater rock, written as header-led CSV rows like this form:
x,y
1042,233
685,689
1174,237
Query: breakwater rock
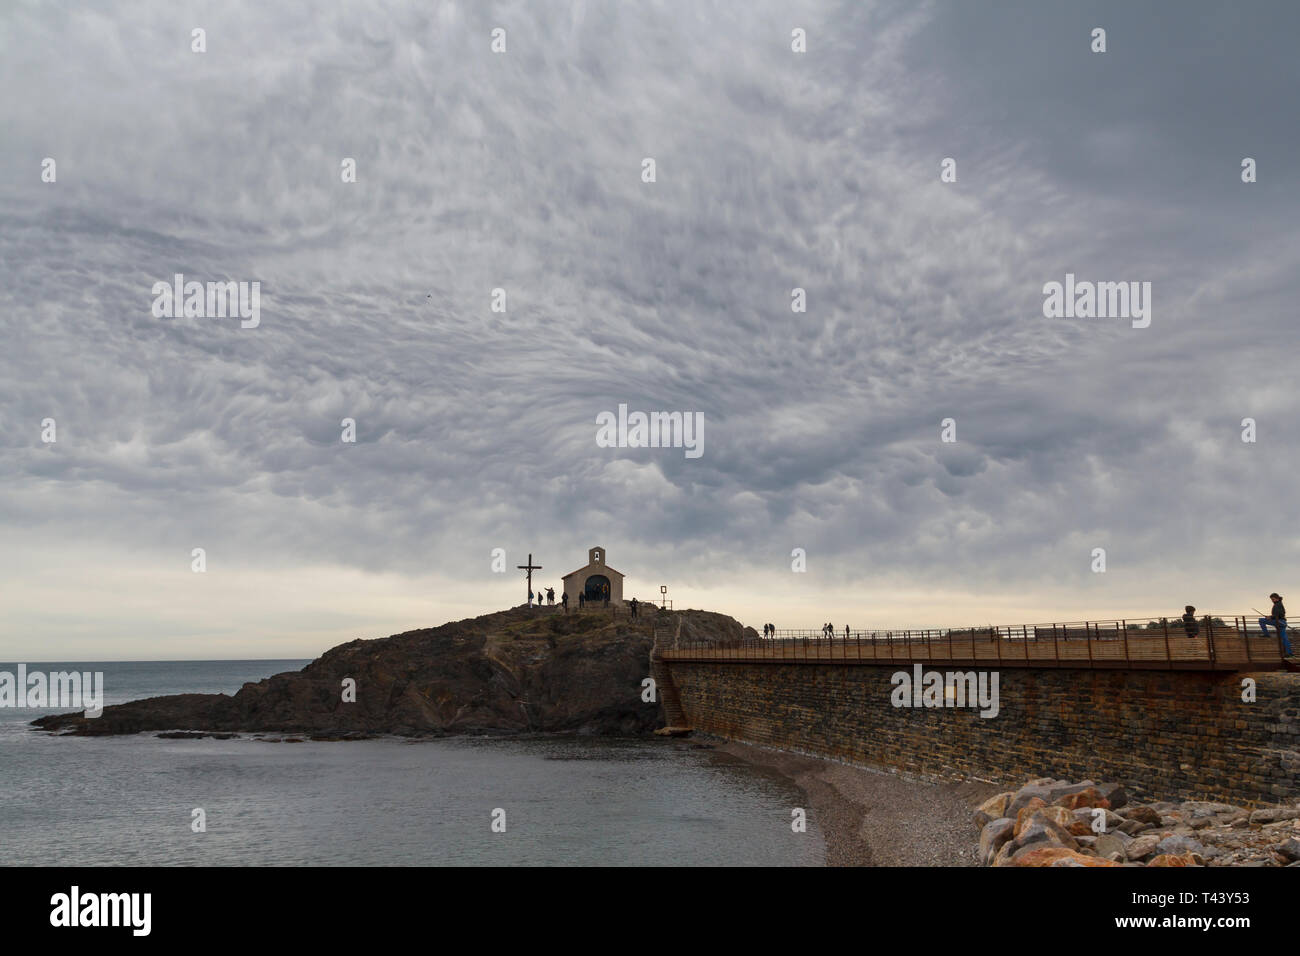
x,y
1051,822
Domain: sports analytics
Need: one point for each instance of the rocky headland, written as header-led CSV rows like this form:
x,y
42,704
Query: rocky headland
x,y
524,670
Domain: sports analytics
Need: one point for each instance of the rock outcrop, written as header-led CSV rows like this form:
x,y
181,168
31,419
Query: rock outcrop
x,y
1056,823
525,670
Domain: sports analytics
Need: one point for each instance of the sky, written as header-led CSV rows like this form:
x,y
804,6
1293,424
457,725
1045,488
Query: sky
x,y
523,170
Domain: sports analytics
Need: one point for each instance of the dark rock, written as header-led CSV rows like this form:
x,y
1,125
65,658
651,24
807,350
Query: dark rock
x,y
1108,845
1142,846
1142,815
993,836
1134,827
1060,790
1024,795
1044,831
1114,794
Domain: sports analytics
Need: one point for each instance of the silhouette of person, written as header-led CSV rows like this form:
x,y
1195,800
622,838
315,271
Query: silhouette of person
x,y
1278,620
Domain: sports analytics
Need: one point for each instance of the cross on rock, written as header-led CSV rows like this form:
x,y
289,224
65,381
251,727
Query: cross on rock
x,y
530,568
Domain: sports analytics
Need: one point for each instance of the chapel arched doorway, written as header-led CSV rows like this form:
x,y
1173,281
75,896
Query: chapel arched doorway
x,y
596,588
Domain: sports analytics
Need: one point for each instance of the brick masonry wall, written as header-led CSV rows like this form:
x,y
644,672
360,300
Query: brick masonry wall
x,y
1163,734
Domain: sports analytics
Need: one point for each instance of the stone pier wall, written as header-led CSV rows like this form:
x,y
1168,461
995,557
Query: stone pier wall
x,y
1163,734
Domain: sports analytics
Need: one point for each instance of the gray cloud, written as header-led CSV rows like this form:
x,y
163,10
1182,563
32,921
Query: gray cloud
x,y
521,171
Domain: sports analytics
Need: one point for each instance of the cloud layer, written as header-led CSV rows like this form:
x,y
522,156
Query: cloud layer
x,y
522,171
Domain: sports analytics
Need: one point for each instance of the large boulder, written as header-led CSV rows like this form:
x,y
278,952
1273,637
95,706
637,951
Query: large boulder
x,y
1063,789
1084,817
1088,797
1114,793
1143,815
1274,814
1134,827
1108,845
1042,830
993,836
1142,846
1026,794
1057,856
1004,855
993,808
1058,816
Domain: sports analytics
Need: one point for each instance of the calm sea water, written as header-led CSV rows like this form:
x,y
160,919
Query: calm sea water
x,y
129,800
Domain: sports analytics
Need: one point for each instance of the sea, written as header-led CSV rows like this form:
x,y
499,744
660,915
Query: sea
x,y
460,801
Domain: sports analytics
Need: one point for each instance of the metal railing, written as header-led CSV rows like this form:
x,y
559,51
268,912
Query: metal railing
x,y
1217,643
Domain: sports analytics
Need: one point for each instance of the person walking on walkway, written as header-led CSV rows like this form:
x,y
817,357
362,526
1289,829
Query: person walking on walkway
x,y
1278,620
1189,621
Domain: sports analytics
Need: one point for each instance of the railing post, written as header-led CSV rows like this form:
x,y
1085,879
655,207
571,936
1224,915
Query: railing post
x,y
1169,658
1090,646
1209,636
1056,646
1124,628
1245,634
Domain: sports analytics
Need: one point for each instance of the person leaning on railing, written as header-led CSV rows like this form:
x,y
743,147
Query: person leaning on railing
x,y
1278,620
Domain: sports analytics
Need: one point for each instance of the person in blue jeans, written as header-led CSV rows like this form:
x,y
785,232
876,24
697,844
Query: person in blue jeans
x,y
1278,620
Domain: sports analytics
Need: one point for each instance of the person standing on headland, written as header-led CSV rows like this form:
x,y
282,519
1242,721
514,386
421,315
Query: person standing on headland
x,y
582,600
564,599
633,606
1189,621
1278,620
550,595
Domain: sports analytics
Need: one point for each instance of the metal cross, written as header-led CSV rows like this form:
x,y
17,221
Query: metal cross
x,y
530,568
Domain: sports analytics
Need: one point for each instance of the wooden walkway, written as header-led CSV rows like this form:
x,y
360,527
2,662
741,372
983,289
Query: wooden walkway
x,y
1122,645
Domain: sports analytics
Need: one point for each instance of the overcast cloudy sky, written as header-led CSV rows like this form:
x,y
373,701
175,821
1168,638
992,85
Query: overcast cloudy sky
x,y
522,170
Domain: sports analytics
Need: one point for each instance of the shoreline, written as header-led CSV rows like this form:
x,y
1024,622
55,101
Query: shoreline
x,y
874,817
